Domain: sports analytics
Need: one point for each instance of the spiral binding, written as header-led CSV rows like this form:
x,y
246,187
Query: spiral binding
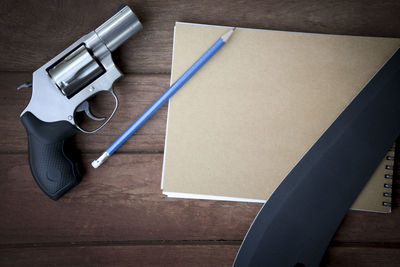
x,y
388,176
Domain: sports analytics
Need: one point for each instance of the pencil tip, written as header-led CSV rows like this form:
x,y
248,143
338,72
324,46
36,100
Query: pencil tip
x,y
227,35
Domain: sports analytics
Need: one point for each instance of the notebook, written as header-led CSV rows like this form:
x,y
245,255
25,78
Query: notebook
x,y
237,128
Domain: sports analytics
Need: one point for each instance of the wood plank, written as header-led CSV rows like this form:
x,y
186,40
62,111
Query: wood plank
x,y
362,256
120,202
135,92
123,202
35,32
176,255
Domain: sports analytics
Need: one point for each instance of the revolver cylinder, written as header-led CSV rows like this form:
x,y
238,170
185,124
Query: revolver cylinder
x,y
75,71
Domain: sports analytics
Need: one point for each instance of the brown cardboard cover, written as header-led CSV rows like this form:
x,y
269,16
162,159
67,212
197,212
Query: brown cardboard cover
x,y
248,116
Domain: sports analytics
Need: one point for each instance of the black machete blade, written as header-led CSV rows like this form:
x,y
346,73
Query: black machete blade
x,y
300,218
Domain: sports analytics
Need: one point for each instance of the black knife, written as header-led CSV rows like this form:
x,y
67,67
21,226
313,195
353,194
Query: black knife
x,y
297,223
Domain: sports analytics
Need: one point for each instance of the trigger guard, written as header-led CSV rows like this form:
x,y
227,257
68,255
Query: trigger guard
x,y
84,107
106,121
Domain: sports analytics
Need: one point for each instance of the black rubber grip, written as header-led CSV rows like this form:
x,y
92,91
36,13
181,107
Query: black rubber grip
x,y
53,161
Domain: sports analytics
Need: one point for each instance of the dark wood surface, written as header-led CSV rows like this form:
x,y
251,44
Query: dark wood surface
x,y
117,216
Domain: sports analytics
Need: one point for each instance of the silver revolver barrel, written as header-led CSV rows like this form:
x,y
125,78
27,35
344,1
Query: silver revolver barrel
x,y
119,28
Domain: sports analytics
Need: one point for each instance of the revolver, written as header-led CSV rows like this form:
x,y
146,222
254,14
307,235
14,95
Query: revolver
x,y
60,89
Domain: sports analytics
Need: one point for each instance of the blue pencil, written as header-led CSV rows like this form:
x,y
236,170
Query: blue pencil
x,y
163,98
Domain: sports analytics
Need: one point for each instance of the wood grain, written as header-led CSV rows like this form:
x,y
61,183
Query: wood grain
x,y
176,255
33,32
161,255
120,202
362,256
123,202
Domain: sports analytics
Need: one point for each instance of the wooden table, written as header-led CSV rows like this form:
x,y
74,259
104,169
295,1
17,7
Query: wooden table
x,y
117,216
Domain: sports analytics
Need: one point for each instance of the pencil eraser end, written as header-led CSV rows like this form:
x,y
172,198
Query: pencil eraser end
x,y
96,163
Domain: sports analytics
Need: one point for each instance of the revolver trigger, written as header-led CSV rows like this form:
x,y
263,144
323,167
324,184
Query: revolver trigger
x,y
24,85
85,107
